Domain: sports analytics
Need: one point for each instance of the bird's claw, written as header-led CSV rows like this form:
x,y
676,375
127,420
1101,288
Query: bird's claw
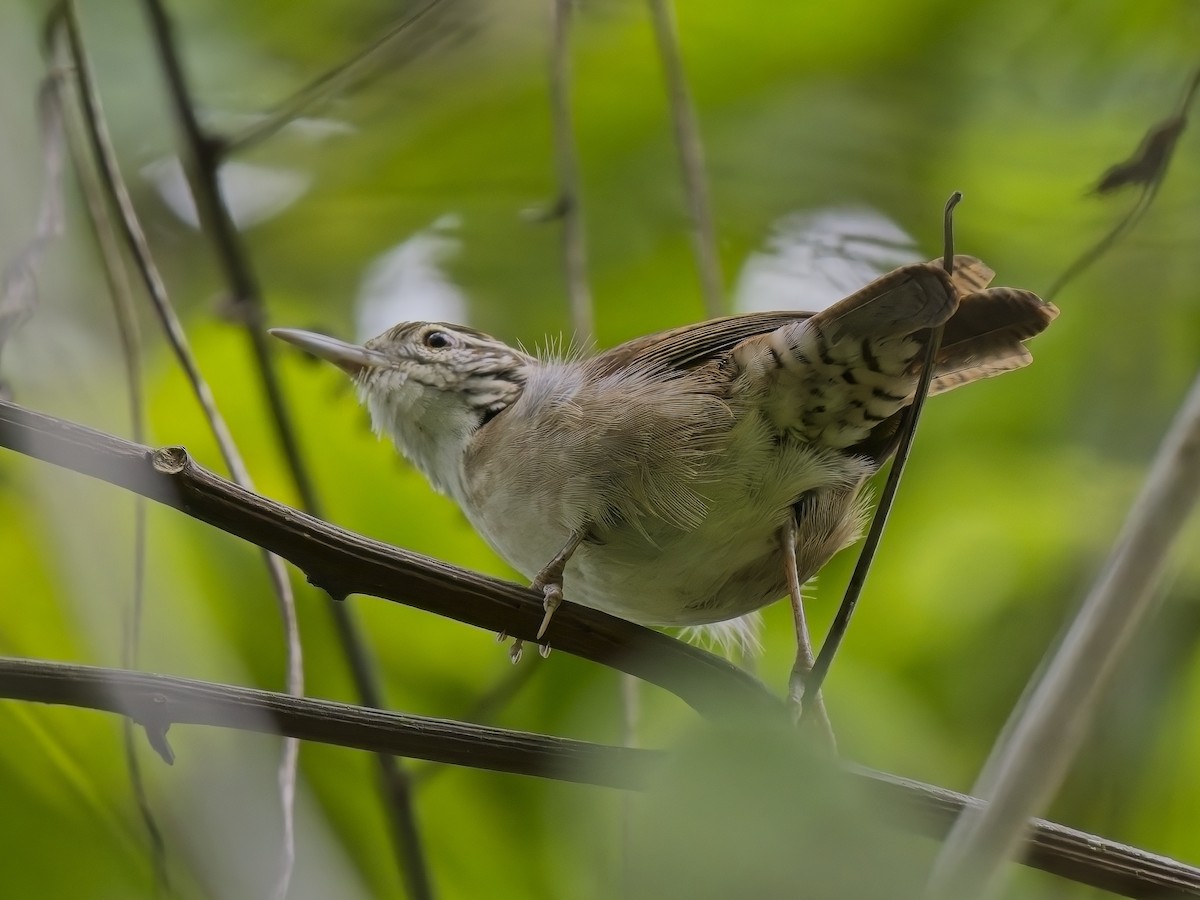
x,y
552,598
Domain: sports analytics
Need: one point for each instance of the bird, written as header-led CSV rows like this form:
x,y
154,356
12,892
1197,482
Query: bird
x,y
673,479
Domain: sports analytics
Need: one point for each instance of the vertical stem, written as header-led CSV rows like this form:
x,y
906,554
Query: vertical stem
x,y
631,709
887,497
566,164
120,291
691,158
803,665
202,158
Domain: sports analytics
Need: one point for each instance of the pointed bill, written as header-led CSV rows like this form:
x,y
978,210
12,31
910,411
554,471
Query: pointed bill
x,y
352,359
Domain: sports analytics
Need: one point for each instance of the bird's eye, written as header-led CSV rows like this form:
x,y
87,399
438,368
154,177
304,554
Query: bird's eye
x,y
436,340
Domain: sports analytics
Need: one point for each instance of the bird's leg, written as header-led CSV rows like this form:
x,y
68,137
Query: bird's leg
x,y
549,582
804,652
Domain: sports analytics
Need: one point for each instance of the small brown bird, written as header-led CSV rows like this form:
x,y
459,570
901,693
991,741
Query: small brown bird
x,y
654,480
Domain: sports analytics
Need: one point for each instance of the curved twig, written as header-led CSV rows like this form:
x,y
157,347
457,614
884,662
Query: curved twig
x,y
120,292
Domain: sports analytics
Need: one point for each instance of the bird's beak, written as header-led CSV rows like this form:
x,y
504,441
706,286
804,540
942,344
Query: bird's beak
x,y
352,359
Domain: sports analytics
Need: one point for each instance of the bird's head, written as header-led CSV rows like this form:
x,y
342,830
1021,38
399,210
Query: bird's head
x,y
429,386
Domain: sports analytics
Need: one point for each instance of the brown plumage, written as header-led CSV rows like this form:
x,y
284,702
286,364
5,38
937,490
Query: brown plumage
x,y
678,456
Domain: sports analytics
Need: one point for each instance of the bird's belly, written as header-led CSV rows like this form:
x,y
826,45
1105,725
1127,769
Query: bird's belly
x,y
706,576
730,564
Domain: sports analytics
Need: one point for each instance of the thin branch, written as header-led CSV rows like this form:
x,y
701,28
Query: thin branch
x,y
202,162
159,701
566,164
1044,733
18,279
1067,852
691,158
887,497
341,563
120,292
397,783
135,238
1148,168
338,79
1124,225
97,131
862,566
631,710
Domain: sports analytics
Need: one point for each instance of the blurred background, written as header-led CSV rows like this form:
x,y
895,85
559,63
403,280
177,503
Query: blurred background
x,y
833,134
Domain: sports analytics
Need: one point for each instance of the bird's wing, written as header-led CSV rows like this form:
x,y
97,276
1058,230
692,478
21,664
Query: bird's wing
x,y
690,346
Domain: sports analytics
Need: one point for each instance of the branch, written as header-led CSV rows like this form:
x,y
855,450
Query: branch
x,y
691,157
121,296
344,563
819,669
158,701
18,275
1147,167
341,77
566,164
202,160
1067,852
161,700
1045,731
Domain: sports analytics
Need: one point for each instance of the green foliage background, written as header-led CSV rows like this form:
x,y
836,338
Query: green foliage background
x,y
1013,500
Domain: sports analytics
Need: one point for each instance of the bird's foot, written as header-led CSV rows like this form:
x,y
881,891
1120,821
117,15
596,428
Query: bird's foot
x,y
516,650
552,598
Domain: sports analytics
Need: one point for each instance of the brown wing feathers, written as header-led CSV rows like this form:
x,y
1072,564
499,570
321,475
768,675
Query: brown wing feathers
x,y
984,328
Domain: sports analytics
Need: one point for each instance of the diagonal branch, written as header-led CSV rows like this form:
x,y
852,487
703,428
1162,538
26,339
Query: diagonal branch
x,y
819,670
18,275
344,563
1034,752
1148,168
334,81
158,701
